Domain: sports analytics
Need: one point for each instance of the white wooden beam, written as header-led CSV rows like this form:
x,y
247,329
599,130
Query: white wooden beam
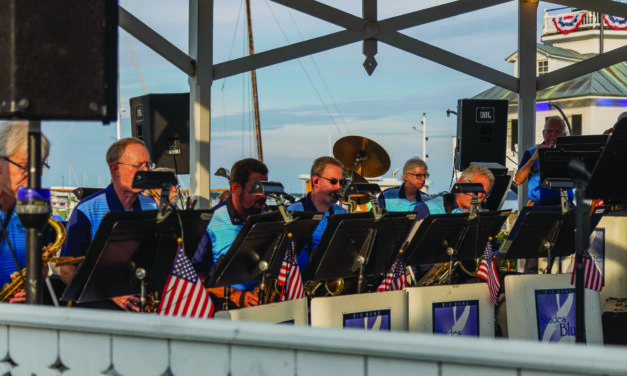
x,y
325,13
603,6
156,42
201,49
581,68
450,60
527,49
435,13
286,53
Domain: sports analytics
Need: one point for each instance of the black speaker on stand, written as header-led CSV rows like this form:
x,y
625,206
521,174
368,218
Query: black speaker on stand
x,y
58,59
481,132
162,122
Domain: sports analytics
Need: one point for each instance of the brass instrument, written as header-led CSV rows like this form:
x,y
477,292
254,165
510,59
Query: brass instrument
x,y
437,275
17,283
332,287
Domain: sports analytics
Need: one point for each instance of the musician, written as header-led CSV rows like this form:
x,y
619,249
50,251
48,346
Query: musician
x,y
13,176
458,202
227,221
125,157
326,181
408,195
529,167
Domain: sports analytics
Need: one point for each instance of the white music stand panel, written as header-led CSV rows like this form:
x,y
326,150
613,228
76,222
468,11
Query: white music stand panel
x,y
370,311
469,307
541,308
290,312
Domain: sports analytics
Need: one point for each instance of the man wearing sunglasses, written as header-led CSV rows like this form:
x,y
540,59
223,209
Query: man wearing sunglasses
x,y
13,176
408,195
125,157
227,221
326,185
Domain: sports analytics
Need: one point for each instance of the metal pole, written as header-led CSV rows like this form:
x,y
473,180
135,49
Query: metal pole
x,y
34,236
424,137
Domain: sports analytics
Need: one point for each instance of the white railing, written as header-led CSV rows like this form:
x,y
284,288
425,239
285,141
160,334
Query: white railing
x,y
590,21
55,341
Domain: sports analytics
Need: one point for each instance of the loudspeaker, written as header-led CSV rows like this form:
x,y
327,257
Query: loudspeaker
x,y
481,132
59,59
162,122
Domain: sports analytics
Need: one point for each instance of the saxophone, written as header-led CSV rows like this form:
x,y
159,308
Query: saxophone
x,y
48,252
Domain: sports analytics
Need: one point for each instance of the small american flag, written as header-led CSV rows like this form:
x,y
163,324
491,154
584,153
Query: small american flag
x,y
290,277
592,277
184,295
396,279
487,271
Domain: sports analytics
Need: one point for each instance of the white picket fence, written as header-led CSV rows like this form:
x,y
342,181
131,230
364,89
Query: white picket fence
x,y
55,341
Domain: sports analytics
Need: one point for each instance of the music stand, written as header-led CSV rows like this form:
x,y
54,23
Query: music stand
x,y
541,231
127,241
349,236
260,246
437,234
608,180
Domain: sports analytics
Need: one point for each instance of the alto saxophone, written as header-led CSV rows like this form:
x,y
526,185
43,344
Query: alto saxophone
x,y
48,252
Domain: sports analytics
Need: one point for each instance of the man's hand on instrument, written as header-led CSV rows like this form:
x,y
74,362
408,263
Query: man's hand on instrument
x,y
244,299
129,303
18,297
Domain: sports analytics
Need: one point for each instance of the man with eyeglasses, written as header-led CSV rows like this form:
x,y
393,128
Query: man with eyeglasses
x,y
13,176
326,185
125,157
529,167
458,202
408,195
227,221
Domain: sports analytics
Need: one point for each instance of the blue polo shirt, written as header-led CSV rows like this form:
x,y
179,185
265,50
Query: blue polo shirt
x,y
537,194
435,206
305,204
395,200
17,237
87,216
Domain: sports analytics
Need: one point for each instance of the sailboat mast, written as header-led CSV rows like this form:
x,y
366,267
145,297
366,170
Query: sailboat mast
x,y
253,78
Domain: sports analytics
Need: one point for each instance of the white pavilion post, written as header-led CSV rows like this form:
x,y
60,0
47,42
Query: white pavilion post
x,y
201,50
527,49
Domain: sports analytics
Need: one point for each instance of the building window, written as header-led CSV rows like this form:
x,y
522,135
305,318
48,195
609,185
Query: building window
x,y
575,123
543,67
514,144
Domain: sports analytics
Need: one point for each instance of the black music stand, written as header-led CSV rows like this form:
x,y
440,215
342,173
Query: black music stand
x,y
608,179
357,245
127,241
260,246
541,231
437,235
554,161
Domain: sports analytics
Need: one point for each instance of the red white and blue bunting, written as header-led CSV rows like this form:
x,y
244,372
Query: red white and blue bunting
x,y
616,23
568,24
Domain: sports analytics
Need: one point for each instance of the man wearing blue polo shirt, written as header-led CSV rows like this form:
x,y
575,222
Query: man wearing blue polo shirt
x,y
458,202
326,178
125,157
13,176
408,195
529,167
227,221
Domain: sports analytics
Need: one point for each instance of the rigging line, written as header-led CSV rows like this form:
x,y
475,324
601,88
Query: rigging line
x,y
307,74
324,82
239,14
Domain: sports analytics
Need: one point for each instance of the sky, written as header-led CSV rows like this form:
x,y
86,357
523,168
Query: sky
x,y
306,104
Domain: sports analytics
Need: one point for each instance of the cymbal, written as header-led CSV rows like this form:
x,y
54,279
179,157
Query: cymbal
x,y
347,173
375,161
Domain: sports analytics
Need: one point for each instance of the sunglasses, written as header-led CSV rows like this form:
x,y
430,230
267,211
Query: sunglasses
x,y
334,181
419,176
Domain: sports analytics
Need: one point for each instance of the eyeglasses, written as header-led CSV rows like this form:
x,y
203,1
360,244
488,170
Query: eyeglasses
x,y
146,166
334,181
419,176
44,168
